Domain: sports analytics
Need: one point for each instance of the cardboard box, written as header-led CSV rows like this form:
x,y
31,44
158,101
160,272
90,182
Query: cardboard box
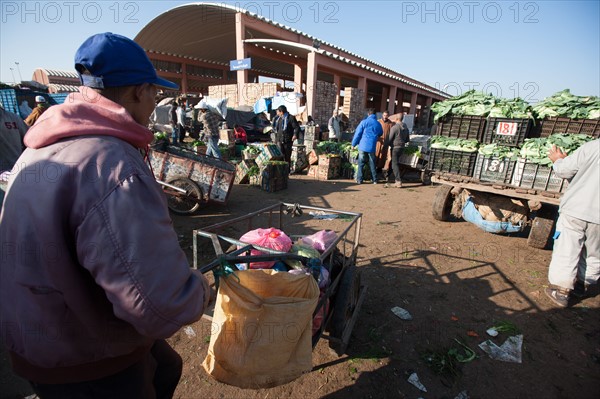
x,y
241,171
268,152
313,171
227,136
329,167
313,158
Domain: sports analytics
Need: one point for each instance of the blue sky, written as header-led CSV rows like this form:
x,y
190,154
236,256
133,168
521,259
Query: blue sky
x,y
530,49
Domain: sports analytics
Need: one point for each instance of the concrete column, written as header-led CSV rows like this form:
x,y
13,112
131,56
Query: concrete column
x,y
311,82
240,53
362,84
413,103
337,82
383,104
392,103
297,78
428,101
184,85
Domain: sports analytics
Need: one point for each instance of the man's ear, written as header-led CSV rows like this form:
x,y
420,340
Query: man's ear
x,y
139,92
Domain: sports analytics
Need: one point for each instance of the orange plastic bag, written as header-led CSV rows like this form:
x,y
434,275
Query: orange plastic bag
x,y
262,328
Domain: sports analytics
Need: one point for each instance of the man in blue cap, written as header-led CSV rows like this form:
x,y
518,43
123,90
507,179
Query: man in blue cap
x,y
92,277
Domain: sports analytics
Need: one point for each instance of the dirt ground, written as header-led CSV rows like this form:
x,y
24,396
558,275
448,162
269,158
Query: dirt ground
x,y
454,279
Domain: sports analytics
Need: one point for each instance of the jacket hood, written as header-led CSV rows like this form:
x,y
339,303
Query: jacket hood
x,y
87,113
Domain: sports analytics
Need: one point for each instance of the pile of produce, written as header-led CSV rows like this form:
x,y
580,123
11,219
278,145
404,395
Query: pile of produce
x,y
536,150
499,151
330,147
565,104
479,104
454,144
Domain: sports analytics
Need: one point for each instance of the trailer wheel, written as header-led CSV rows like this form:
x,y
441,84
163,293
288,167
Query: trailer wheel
x,y
188,203
425,177
345,305
442,203
541,227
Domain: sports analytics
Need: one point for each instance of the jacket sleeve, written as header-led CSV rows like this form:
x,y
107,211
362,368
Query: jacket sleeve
x,y
295,125
389,141
128,244
358,134
566,168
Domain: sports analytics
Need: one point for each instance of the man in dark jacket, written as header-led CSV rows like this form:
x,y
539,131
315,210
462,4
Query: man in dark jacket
x,y
366,136
397,140
285,131
92,276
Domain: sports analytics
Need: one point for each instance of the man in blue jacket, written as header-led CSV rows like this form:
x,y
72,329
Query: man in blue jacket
x,y
366,135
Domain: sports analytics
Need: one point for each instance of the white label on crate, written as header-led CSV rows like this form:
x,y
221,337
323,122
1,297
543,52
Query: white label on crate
x,y
494,165
507,128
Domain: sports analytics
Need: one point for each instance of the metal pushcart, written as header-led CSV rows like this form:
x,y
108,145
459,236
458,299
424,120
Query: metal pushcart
x,y
191,180
345,293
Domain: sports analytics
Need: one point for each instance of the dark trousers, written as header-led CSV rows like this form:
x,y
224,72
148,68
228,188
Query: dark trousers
x,y
154,377
396,152
286,149
181,132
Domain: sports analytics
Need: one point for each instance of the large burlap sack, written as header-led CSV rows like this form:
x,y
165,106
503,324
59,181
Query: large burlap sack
x,y
262,328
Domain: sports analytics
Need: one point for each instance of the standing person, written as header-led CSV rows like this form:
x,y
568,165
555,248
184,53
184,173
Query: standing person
x,y
40,108
397,140
575,260
210,121
366,136
87,316
333,125
173,122
181,121
195,128
12,131
382,152
286,130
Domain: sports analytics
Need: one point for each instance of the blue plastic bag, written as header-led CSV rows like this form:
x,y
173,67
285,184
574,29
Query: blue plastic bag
x,y
471,214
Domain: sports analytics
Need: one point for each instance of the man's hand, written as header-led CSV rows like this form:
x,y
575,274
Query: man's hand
x,y
556,153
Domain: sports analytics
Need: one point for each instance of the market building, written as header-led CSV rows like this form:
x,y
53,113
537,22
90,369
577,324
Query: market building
x,y
195,44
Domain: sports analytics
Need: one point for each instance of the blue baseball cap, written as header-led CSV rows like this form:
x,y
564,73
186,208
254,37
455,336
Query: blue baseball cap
x,y
114,60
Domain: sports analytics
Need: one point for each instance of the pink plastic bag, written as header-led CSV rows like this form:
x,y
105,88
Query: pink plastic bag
x,y
321,240
269,238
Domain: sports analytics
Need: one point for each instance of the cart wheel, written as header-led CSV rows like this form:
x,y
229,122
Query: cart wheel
x,y
188,203
345,303
425,178
541,227
442,203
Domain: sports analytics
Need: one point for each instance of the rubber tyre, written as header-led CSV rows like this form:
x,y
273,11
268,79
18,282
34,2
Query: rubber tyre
x,y
442,203
345,301
425,178
541,227
185,204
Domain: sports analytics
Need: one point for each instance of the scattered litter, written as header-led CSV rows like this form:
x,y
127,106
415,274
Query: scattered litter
x,y
510,351
402,313
414,379
462,395
471,333
189,331
492,332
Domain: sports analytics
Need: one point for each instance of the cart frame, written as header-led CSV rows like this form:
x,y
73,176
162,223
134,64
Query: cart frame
x,y
191,180
345,292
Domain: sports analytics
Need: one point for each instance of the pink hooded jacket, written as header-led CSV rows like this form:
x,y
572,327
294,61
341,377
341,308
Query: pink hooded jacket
x,y
91,271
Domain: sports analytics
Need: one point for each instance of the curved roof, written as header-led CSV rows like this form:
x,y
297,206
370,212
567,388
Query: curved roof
x,y
205,32
60,74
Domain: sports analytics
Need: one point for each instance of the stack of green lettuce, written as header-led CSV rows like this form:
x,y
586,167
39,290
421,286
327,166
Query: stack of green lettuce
x,y
536,150
499,151
567,105
479,104
454,144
